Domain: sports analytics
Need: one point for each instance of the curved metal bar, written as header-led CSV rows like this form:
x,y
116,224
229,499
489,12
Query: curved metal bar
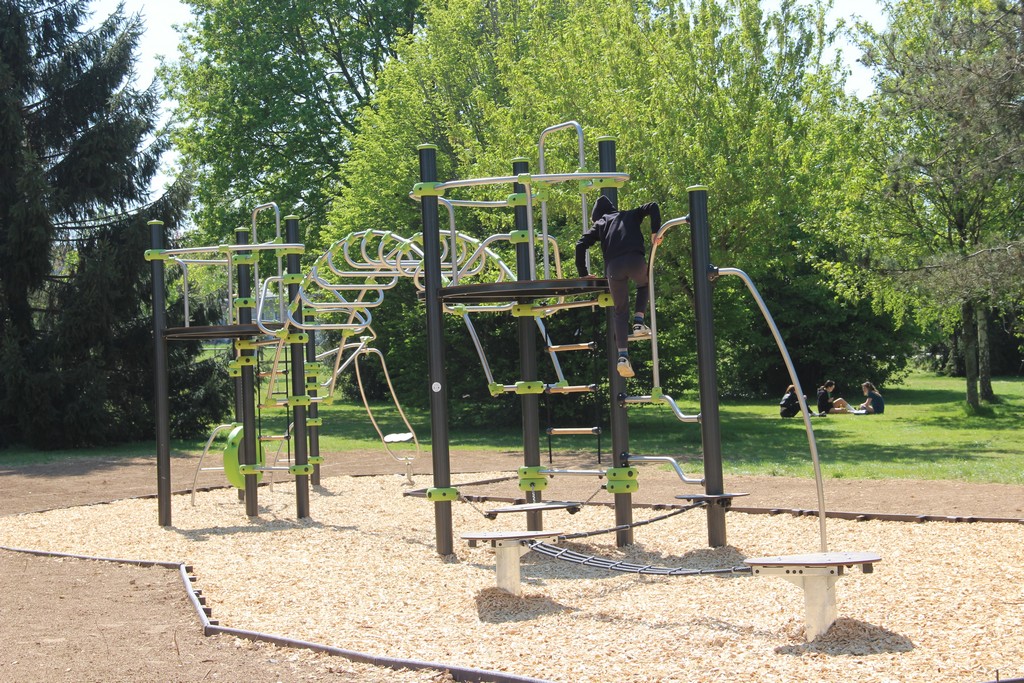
x,y
665,227
206,449
799,392
540,168
669,460
408,460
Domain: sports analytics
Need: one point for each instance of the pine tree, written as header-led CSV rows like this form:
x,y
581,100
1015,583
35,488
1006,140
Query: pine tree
x,y
79,148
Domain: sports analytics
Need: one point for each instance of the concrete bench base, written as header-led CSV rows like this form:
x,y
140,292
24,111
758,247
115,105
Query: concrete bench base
x,y
816,574
508,546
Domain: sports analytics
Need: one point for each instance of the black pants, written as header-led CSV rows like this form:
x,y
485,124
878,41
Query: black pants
x,y
619,271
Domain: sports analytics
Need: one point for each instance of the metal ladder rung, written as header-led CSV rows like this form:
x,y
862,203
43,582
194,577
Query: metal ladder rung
x,y
574,389
557,431
586,346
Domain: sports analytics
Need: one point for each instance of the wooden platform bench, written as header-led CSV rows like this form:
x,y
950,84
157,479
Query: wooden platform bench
x,y
816,574
508,546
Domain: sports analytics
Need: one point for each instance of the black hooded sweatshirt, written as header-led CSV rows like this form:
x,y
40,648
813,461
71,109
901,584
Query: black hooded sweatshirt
x,y
618,231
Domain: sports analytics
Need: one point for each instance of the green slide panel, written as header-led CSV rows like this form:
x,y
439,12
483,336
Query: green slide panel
x,y
231,459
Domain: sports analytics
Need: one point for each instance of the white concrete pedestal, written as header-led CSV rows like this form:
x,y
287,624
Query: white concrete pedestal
x,y
816,574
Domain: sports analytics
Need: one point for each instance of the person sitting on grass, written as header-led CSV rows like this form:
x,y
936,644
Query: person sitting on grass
x,y
873,404
790,403
827,404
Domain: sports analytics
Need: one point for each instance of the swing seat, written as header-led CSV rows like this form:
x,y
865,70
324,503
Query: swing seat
x,y
401,437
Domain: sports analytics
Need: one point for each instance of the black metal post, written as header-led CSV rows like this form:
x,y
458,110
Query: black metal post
x,y
435,351
527,332
313,423
250,438
161,401
297,355
710,429
617,416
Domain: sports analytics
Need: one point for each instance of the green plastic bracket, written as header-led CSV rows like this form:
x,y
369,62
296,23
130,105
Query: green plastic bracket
x,y
245,345
605,300
529,387
532,484
439,495
525,311
234,372
531,479
294,401
244,259
516,199
297,338
519,236
316,460
293,279
658,394
542,195
496,389
598,183
155,255
315,422
622,486
621,473
245,302
287,251
243,361
428,190
524,179
301,470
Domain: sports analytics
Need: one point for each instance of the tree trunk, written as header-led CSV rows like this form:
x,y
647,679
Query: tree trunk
x,y
970,341
952,366
984,356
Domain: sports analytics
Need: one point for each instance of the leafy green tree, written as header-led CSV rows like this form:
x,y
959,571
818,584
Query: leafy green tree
x,y
78,151
266,97
715,93
941,167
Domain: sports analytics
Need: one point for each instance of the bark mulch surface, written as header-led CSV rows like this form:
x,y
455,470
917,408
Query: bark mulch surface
x,y
76,620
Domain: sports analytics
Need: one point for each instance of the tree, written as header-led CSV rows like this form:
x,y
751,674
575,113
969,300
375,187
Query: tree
x,y
266,98
715,93
944,159
78,151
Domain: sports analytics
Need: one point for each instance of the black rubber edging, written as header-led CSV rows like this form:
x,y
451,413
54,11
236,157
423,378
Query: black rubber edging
x,y
459,673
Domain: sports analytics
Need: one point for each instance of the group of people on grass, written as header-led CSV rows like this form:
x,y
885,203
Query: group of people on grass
x,y
873,403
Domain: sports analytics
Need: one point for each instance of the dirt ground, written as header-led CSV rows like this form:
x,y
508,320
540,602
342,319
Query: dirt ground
x,y
74,620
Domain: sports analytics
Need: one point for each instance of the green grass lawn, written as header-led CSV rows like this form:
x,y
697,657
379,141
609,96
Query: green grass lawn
x,y
926,433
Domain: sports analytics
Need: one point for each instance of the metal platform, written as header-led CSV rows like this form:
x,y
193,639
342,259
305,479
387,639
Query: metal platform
x,y
521,290
216,332
722,498
572,508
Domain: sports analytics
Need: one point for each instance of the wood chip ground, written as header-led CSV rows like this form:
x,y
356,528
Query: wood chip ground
x,y
945,604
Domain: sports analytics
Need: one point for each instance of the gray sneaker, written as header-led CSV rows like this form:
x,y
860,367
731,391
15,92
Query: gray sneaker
x,y
640,331
624,368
